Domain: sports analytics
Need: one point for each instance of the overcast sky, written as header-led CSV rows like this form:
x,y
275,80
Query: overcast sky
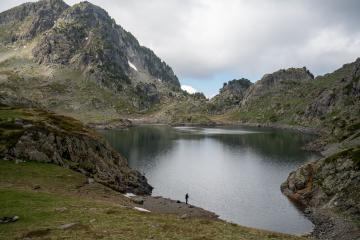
x,y
207,42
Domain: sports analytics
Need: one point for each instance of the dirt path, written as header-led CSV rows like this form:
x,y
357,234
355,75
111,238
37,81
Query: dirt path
x,y
169,206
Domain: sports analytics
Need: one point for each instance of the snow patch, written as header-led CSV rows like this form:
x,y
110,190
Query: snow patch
x,y
129,195
132,65
141,209
188,89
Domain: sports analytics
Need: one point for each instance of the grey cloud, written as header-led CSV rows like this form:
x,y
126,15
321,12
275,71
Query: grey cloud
x,y
200,38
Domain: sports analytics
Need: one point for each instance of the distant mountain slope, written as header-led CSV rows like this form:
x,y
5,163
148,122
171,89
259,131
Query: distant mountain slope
x,y
330,104
77,61
294,97
282,79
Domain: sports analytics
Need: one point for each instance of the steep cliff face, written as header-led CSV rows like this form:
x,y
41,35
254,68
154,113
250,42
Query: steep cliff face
x,y
230,95
29,19
37,135
332,182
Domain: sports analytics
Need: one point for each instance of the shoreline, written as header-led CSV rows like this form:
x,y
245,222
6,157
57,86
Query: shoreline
x,y
171,204
162,205
150,121
329,225
326,224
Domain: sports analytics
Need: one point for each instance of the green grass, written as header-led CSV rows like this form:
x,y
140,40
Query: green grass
x,y
39,117
10,131
113,220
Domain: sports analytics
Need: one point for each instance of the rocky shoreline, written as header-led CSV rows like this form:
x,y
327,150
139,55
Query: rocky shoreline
x,y
328,189
328,225
113,124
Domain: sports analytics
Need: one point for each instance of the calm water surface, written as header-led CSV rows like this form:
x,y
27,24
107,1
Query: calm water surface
x,y
234,172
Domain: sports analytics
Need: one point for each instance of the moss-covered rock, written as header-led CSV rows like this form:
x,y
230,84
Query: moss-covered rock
x,y
38,135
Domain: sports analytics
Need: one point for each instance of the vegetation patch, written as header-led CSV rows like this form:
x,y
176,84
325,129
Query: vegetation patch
x,y
42,215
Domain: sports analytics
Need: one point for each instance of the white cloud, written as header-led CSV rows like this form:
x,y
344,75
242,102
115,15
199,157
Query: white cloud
x,y
188,89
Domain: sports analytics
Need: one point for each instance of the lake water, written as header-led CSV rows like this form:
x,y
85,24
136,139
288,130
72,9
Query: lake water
x,y
234,172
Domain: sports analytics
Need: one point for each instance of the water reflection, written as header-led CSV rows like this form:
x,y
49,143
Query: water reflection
x,y
235,172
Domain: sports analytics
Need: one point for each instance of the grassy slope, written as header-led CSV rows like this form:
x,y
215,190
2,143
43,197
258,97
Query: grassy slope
x,y
61,188
10,131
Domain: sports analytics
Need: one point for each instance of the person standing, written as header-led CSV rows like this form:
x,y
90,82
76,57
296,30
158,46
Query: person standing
x,y
186,198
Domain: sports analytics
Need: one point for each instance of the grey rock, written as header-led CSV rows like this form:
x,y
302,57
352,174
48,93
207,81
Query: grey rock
x,y
9,219
80,152
40,16
329,183
138,200
230,95
61,209
90,180
67,226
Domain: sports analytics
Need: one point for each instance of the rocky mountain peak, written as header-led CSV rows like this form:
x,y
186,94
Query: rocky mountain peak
x,y
87,38
87,13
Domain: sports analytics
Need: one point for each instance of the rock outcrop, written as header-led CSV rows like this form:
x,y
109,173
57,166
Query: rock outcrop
x,y
37,135
30,19
330,189
332,182
231,94
345,90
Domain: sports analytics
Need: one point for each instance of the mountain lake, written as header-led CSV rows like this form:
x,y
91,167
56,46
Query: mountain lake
x,y
235,172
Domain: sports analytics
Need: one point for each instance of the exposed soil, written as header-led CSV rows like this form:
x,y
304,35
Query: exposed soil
x,y
168,206
329,226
